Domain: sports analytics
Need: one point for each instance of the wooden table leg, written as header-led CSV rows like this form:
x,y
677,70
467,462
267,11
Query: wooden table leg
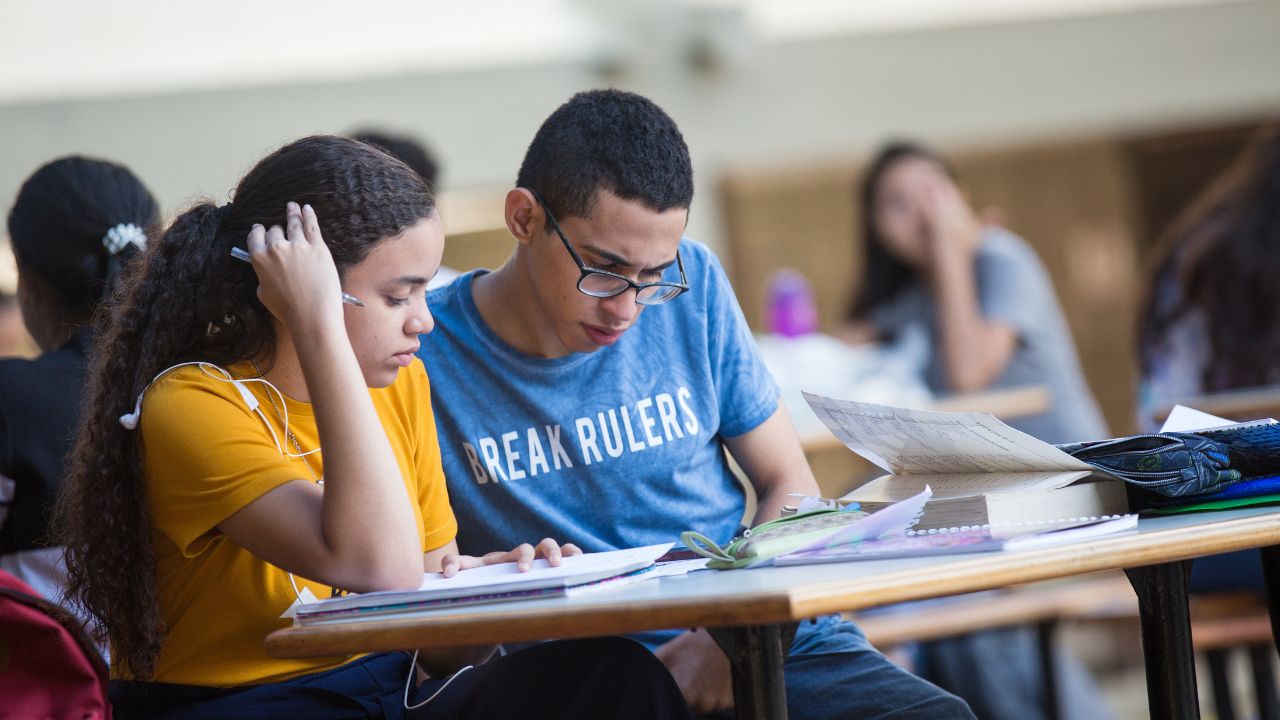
x,y
756,654
1166,639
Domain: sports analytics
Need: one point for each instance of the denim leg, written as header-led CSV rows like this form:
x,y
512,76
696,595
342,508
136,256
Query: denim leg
x,y
1239,571
833,672
998,673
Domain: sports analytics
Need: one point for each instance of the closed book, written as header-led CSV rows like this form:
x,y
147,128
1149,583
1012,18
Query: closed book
x,y
998,498
1019,536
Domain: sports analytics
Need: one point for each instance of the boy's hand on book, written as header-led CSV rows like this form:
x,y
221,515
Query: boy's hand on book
x,y
522,555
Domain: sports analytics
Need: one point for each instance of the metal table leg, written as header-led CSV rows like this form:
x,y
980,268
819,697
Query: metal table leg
x,y
755,657
1049,669
1264,681
1166,639
1271,575
1219,671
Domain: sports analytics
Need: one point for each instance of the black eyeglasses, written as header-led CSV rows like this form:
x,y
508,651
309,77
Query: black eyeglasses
x,y
603,284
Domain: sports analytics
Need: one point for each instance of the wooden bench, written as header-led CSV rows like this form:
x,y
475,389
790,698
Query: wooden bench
x,y
1220,625
1223,624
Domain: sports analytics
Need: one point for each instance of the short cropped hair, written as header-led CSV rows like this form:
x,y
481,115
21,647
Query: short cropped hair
x,y
608,140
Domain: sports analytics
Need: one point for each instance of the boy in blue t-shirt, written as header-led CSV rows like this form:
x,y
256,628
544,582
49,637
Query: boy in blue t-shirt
x,y
586,390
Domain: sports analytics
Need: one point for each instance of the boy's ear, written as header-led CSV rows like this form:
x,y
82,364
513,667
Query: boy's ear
x,y
524,216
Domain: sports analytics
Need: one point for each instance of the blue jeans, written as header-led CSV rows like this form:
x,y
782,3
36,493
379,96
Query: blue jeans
x,y
998,673
1239,571
833,672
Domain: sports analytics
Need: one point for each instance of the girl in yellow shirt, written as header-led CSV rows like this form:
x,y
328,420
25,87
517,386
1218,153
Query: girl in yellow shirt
x,y
194,522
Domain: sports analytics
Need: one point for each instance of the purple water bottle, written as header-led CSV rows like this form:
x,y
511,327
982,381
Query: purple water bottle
x,y
789,307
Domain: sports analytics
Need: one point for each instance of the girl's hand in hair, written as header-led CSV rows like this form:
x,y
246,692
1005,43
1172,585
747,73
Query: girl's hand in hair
x,y
522,555
298,280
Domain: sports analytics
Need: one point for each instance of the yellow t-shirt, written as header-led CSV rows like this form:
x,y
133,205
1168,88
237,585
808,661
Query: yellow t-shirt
x,y
207,455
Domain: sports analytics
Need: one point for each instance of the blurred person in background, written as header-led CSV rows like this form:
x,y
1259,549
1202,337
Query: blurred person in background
x,y
15,341
420,160
1209,321
74,225
406,150
978,293
986,309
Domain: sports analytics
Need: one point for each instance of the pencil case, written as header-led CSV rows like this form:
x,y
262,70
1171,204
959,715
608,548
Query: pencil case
x,y
770,539
1169,464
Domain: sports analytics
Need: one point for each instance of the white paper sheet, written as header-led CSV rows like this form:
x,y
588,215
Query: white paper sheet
x,y
893,520
1185,419
919,442
895,488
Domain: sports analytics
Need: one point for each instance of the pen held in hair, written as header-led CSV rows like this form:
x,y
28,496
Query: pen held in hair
x,y
242,254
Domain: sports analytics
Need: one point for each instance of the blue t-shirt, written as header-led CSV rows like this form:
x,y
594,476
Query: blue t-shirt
x,y
612,449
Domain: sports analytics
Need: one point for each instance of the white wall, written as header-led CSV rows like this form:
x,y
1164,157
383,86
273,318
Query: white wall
x,y
770,103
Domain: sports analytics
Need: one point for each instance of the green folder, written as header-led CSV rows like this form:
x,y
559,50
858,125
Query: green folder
x,y
1226,504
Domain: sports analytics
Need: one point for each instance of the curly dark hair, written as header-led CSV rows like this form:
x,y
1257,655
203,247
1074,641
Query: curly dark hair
x,y
607,140
187,299
883,275
1222,256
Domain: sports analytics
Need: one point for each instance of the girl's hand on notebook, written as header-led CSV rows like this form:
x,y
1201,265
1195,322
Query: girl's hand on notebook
x,y
522,555
299,281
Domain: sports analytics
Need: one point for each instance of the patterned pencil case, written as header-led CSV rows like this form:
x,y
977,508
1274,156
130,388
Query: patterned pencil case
x,y
1170,464
770,539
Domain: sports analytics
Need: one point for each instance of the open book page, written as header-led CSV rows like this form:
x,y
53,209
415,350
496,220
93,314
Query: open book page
x,y
1184,419
894,488
504,578
918,442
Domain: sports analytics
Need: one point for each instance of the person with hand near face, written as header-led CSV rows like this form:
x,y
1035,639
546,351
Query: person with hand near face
x,y
195,522
978,293
984,303
588,389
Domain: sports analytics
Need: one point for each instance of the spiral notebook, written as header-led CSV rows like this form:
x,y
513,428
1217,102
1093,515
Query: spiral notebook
x,y
965,539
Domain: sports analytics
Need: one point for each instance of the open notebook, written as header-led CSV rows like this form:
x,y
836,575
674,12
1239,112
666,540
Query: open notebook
x,y
492,583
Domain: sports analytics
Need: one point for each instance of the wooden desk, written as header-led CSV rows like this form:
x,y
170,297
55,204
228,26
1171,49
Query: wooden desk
x,y
752,610
1244,404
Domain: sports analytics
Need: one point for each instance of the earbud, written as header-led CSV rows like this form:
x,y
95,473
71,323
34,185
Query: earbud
x,y
249,397
130,420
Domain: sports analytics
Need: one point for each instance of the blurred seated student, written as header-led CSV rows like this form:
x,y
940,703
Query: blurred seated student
x,y
979,294
1209,323
984,302
15,341
74,224
405,149
196,520
422,161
